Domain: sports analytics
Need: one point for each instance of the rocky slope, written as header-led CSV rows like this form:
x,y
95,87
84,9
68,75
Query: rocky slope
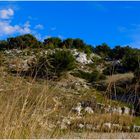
x,y
76,103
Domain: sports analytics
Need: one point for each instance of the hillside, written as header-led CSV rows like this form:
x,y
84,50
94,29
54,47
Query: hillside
x,y
59,87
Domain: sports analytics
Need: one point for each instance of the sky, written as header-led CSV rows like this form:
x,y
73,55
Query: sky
x,y
114,23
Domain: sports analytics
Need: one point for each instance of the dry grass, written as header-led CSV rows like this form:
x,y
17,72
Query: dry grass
x,y
31,109
118,77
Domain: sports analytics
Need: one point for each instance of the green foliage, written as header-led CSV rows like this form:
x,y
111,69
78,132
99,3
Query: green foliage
x,y
78,43
118,52
103,50
24,41
90,77
110,69
54,64
88,49
68,43
62,61
3,45
53,42
97,61
131,60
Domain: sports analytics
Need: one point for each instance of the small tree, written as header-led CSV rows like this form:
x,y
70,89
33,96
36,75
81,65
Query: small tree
x,y
62,61
53,42
131,60
3,44
68,43
103,50
23,41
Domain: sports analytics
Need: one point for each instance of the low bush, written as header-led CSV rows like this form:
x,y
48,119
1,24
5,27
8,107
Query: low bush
x,y
54,64
62,61
109,70
90,77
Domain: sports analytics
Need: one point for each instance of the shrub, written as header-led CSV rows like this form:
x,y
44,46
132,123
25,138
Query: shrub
x,y
62,61
53,42
90,77
3,45
109,70
54,64
23,41
131,60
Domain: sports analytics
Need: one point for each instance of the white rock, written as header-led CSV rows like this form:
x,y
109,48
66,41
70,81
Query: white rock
x,y
136,128
119,110
25,65
78,109
81,126
89,110
7,51
82,58
63,126
107,125
116,126
66,121
127,111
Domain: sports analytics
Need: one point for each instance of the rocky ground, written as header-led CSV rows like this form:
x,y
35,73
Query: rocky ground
x,y
73,106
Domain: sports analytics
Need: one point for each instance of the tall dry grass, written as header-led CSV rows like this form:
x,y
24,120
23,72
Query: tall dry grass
x,y
31,109
24,107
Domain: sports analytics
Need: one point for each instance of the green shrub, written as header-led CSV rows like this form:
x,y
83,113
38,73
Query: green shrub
x,y
62,61
131,60
54,64
23,41
109,70
96,61
90,77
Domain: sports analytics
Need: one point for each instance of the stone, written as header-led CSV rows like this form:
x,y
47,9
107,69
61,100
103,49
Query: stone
x,y
107,109
81,125
132,112
78,109
107,125
119,110
82,58
66,121
116,127
89,126
63,126
136,128
89,110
